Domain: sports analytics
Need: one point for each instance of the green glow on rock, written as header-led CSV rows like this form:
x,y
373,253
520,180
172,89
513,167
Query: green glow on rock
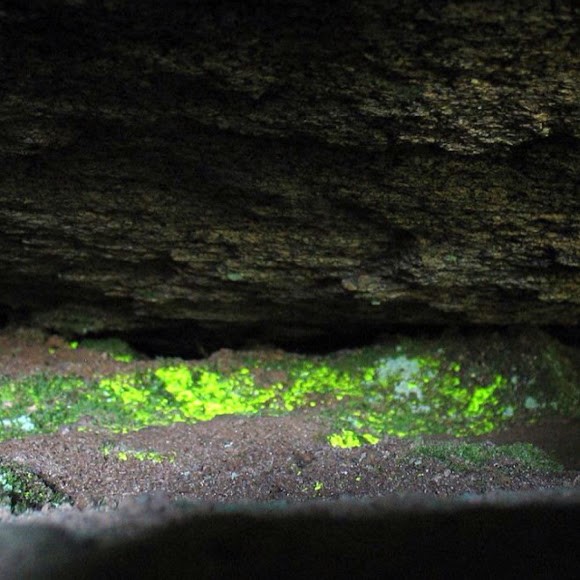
x,y
484,396
348,439
176,379
363,395
123,357
202,394
125,389
139,455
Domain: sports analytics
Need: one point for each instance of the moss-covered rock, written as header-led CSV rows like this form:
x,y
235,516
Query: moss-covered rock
x,y
212,173
456,385
22,489
465,456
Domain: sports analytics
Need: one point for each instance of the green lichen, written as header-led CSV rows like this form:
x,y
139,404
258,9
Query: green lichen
x,y
409,389
405,396
21,489
111,451
347,438
202,394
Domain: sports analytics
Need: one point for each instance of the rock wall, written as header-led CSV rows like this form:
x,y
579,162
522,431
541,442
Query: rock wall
x,y
293,172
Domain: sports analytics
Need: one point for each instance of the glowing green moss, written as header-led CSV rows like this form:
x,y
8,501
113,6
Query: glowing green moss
x,y
126,390
414,395
123,357
365,395
202,394
176,379
309,381
139,455
347,438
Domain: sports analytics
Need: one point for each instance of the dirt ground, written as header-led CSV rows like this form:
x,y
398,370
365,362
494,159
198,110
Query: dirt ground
x,y
238,459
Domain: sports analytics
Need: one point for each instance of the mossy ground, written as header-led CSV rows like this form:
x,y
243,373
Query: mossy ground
x,y
404,388
463,456
22,489
429,416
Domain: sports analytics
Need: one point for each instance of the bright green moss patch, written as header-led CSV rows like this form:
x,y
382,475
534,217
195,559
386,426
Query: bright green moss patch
x,y
21,489
347,438
405,396
202,394
406,389
110,451
467,456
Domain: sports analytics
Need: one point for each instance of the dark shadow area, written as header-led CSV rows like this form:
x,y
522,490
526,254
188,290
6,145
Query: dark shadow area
x,y
528,539
4,316
569,335
188,340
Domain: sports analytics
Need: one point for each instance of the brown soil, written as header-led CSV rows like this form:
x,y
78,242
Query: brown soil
x,y
236,459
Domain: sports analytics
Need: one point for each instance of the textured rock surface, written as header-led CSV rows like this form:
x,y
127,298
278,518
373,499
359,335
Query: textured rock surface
x,y
290,173
511,535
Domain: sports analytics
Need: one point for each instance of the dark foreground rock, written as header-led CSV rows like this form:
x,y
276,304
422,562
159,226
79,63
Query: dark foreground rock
x,y
505,536
203,175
